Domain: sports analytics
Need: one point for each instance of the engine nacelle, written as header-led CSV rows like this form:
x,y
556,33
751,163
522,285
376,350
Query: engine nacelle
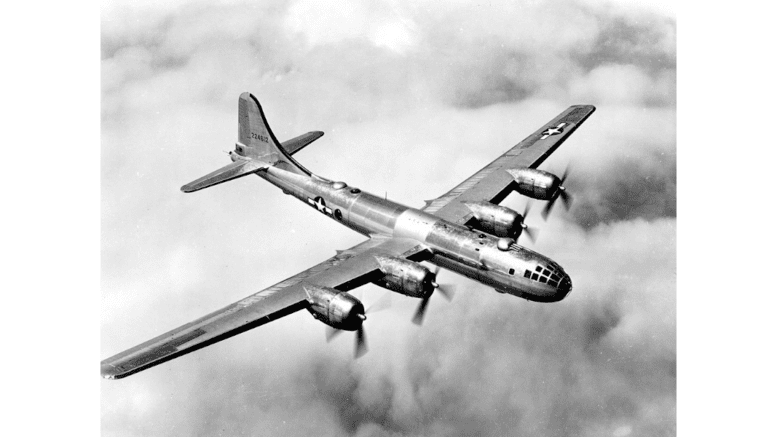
x,y
496,220
536,184
337,309
406,277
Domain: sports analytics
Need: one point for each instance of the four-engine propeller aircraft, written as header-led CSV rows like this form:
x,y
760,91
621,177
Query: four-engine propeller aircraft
x,y
465,230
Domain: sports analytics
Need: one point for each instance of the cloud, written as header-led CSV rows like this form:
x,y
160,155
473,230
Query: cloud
x,y
413,97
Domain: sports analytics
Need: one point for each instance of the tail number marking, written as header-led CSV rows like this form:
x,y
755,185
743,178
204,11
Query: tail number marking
x,y
259,137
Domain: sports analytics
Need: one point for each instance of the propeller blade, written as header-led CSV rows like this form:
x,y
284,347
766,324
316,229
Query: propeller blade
x,y
447,291
418,318
564,176
332,333
526,210
548,207
360,347
381,304
531,232
567,198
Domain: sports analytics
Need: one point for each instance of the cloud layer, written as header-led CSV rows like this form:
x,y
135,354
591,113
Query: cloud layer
x,y
413,98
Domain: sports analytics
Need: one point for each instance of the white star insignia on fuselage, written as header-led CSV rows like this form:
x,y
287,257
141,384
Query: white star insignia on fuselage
x,y
320,205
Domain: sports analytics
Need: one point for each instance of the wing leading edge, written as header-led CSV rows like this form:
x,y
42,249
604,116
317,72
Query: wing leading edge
x,y
345,271
493,183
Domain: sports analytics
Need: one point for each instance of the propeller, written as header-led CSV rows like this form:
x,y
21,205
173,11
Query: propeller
x,y
447,291
530,232
360,344
562,193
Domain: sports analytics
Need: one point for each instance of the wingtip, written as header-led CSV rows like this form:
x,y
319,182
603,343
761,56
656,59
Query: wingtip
x,y
107,371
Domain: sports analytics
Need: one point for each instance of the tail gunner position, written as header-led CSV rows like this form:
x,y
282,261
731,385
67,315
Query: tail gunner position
x,y
465,230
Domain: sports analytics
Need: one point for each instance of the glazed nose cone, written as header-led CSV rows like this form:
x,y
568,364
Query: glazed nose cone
x,y
564,286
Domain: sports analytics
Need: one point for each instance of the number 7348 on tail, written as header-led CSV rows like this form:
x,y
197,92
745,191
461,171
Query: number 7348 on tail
x,y
465,230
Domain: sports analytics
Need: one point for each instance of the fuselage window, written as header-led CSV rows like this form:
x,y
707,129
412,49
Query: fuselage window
x,y
512,271
355,190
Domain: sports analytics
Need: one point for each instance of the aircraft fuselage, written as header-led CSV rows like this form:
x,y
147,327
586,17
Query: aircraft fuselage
x,y
470,252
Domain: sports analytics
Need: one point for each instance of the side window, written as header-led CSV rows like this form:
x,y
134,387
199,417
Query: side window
x,y
512,271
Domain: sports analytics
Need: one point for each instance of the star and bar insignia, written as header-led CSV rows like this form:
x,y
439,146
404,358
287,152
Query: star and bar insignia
x,y
553,131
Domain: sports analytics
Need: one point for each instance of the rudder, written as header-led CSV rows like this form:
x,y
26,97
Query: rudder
x,y
255,138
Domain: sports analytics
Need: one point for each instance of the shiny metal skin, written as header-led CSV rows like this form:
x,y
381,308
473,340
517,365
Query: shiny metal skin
x,y
497,220
504,243
537,184
437,233
335,308
406,277
477,255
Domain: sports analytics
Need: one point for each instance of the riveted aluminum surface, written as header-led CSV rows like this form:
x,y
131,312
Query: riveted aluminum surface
x,y
495,219
415,224
455,247
376,213
535,183
404,276
335,308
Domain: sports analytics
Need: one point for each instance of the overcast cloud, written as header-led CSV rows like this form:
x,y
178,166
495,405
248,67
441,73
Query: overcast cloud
x,y
413,97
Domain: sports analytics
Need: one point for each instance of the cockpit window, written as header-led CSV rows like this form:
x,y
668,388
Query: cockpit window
x,y
534,277
527,274
538,268
543,279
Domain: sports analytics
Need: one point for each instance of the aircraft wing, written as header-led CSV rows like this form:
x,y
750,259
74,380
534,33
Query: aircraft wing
x,y
345,271
493,183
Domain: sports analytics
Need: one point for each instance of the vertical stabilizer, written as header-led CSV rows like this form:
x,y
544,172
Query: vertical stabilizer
x,y
257,141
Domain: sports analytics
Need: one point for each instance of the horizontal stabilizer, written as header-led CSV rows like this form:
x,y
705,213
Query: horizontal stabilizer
x,y
296,144
234,170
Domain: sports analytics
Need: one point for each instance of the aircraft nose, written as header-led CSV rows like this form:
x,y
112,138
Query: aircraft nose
x,y
564,286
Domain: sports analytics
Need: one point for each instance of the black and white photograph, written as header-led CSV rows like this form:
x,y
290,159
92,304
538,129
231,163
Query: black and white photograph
x,y
464,221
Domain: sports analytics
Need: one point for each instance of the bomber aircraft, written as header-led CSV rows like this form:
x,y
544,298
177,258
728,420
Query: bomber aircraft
x,y
465,230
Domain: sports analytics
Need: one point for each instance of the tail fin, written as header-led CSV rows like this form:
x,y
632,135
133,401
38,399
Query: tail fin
x,y
257,141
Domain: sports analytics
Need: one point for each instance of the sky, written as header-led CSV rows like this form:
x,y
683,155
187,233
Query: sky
x,y
413,97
